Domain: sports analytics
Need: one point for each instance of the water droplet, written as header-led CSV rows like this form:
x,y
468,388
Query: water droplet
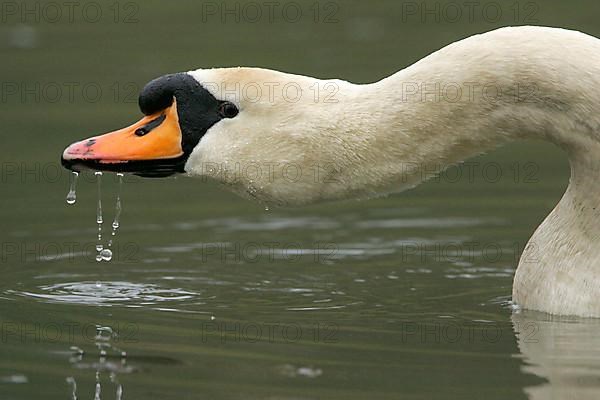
x,y
103,254
266,208
212,317
106,254
72,195
118,208
99,219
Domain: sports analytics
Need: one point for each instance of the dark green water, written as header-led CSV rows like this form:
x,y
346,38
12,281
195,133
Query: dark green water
x,y
213,297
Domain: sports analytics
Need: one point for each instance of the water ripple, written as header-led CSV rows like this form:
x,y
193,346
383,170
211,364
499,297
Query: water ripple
x,y
437,223
107,293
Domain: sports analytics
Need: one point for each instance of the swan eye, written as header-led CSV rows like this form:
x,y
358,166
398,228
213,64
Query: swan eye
x,y
228,110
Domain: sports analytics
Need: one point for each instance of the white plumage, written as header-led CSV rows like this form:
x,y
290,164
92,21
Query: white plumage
x,y
467,98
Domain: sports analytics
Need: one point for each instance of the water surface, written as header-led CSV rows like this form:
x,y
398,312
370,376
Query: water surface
x,y
209,296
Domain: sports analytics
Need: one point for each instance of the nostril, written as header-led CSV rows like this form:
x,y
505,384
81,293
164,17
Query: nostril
x,y
146,129
141,132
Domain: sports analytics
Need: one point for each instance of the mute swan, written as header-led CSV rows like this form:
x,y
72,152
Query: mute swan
x,y
290,140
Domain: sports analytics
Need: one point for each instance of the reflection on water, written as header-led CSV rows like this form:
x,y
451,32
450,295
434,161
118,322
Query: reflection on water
x,y
14,379
292,371
564,351
105,364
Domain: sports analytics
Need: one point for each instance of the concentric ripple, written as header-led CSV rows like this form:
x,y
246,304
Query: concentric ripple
x,y
108,293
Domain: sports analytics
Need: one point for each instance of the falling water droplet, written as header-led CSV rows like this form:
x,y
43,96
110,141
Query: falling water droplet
x,y
99,219
106,255
71,198
118,208
266,208
72,195
103,254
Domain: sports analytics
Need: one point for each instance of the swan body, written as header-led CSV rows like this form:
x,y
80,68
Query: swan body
x,y
296,140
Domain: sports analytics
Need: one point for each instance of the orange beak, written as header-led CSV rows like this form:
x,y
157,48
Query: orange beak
x,y
155,140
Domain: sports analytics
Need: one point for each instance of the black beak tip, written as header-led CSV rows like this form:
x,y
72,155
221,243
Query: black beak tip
x,y
146,169
69,164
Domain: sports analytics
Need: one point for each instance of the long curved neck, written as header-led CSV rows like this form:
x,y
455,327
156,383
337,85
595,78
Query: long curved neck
x,y
559,270
478,93
483,91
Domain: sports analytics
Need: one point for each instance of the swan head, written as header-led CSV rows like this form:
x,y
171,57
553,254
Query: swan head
x,y
259,132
